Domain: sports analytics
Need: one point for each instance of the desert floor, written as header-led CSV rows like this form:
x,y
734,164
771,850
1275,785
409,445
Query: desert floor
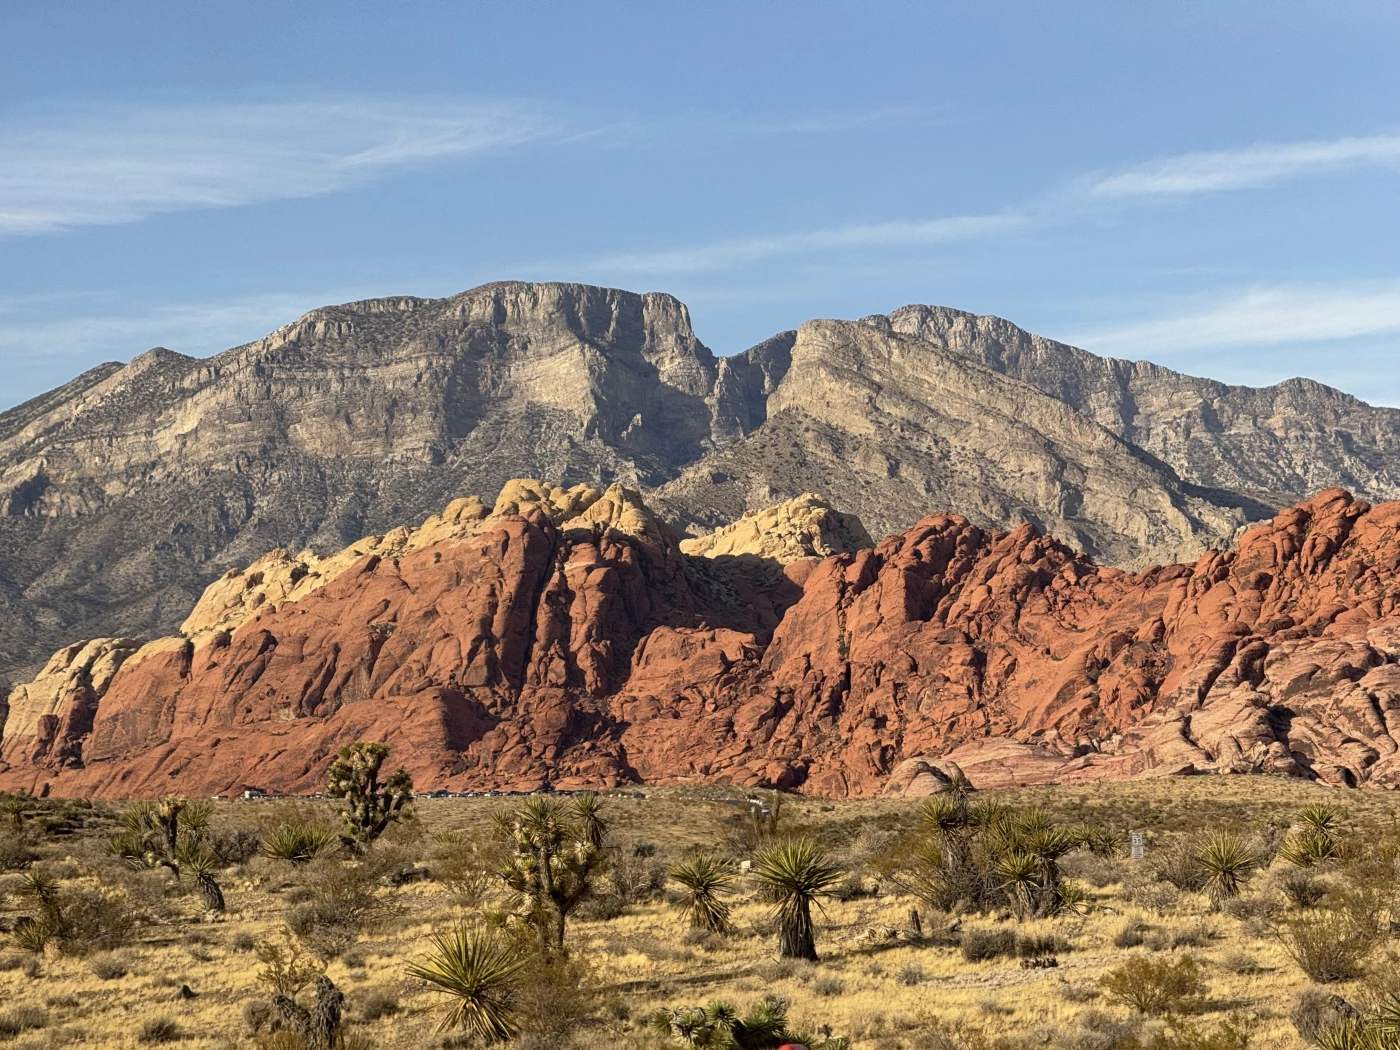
x,y
877,982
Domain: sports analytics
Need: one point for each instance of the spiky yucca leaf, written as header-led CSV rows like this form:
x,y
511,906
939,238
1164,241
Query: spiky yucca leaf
x,y
1227,861
1074,897
703,876
1320,816
944,813
478,972
1310,846
297,843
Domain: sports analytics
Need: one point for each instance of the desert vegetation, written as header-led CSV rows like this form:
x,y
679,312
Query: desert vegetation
x,y
1264,914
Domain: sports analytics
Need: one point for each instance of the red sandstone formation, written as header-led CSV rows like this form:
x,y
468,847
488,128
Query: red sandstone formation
x,y
532,653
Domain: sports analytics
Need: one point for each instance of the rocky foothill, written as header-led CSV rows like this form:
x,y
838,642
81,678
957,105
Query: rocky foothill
x,y
567,637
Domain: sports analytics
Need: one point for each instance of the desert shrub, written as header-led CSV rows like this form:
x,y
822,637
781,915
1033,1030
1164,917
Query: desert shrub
x,y
159,1030
1301,889
1098,871
466,868
1233,1033
911,975
1253,909
1241,963
1318,1012
17,850
634,876
1038,946
342,902
377,1003
235,846
258,1016
22,1019
1156,987
982,945
108,967
10,961
1179,866
1159,897
92,921
1078,992
1129,935
1328,946
828,987
243,942
600,907
287,968
1192,937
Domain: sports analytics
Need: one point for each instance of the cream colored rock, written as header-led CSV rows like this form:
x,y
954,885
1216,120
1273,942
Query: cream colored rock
x,y
83,667
804,527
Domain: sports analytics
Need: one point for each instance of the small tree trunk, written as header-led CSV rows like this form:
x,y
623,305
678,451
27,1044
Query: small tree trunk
x,y
797,940
212,894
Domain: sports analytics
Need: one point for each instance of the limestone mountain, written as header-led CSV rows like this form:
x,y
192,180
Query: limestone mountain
x,y
128,490
1277,444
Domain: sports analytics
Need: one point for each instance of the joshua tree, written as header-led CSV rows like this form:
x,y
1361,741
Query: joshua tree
x,y
703,875
370,806
174,834
796,872
556,852
479,972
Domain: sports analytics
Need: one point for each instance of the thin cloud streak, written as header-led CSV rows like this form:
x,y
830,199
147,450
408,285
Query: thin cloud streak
x,y
197,329
130,163
1250,168
739,250
1276,316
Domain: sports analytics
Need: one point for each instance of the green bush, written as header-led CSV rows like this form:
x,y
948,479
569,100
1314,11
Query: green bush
x,y
1156,987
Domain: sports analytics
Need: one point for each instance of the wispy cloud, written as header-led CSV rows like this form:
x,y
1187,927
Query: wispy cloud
x,y
129,163
739,250
1260,165
1279,315
199,329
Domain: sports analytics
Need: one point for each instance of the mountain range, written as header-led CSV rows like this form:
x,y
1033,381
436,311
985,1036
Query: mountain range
x,y
185,500
128,490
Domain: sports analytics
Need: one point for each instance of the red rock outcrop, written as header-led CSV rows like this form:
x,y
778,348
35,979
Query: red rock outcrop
x,y
518,650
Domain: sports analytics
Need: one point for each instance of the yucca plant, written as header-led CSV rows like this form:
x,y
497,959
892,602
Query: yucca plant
x,y
1227,861
15,806
479,972
1074,898
1309,847
796,872
1320,817
703,876
1019,873
34,935
297,843
1351,1033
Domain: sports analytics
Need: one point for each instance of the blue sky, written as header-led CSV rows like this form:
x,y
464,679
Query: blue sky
x,y
1211,186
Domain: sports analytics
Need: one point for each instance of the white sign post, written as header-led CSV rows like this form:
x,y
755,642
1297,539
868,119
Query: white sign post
x,y
1139,845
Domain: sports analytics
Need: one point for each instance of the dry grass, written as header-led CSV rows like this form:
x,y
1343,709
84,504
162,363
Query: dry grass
x,y
874,983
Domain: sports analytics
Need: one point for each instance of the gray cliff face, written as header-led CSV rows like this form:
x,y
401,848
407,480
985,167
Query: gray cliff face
x,y
1277,444
126,491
